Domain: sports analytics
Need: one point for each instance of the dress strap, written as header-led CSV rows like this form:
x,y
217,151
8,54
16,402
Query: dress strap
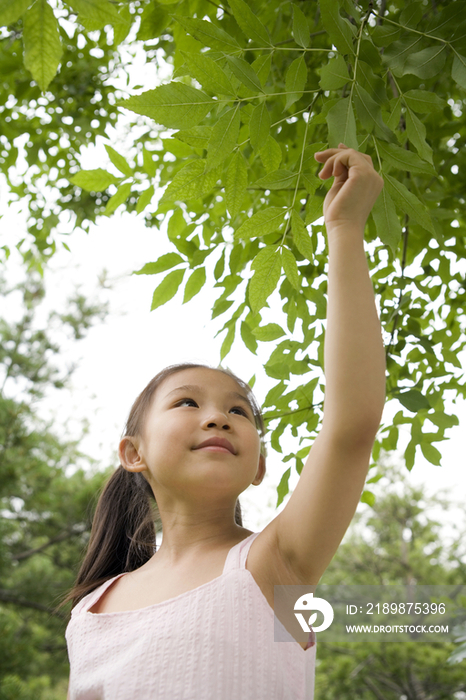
x,y
236,557
91,598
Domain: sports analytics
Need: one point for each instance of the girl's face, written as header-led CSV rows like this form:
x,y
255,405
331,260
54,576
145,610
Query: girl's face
x,y
199,440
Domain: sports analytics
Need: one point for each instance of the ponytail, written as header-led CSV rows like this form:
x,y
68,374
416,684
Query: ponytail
x,y
123,532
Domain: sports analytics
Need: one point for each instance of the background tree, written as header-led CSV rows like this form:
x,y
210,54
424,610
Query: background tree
x,y
396,542
257,89
47,490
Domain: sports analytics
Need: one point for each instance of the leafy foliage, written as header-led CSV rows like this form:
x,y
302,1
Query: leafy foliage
x,y
257,89
409,547
46,489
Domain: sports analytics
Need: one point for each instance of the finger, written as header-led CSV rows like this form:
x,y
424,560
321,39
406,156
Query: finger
x,y
322,156
336,166
342,160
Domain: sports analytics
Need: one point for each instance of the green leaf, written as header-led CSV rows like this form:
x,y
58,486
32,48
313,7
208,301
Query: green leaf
x,y
194,284
413,400
167,288
12,10
208,73
154,19
334,74
278,180
119,161
301,33
94,180
220,307
385,34
198,136
148,163
259,126
245,73
271,331
295,80
228,342
314,210
252,27
423,101
175,105
191,182
386,221
396,55
261,67
208,34
371,82
42,45
176,224
311,182
271,154
410,455
368,497
95,14
408,203
261,223
402,159
219,266
416,132
339,30
120,196
165,262
236,184
290,267
144,199
122,29
443,420
267,268
342,124
283,487
369,112
426,63
248,339
301,237
223,139
431,453
458,70
411,14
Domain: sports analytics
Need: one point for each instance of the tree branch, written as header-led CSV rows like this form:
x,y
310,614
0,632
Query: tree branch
x,y
59,538
291,413
375,690
400,298
8,597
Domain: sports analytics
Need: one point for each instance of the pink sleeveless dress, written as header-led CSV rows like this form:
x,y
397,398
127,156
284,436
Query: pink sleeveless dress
x,y
215,642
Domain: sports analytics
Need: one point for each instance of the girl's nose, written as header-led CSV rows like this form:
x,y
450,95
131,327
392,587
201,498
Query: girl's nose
x,y
216,419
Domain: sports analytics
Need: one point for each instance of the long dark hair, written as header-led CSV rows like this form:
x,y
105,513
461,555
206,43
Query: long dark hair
x,y
126,517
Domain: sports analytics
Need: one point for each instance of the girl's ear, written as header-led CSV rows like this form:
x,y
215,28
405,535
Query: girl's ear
x,y
260,471
130,458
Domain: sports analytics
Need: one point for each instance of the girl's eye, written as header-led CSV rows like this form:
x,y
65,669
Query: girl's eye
x,y
187,401
241,410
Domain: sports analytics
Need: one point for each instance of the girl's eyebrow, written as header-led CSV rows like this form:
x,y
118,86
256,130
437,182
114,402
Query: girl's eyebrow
x,y
186,387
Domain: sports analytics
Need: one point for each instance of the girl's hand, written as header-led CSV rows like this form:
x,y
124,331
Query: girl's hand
x,y
354,190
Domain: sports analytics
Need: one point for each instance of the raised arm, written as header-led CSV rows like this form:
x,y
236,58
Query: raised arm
x,y
312,524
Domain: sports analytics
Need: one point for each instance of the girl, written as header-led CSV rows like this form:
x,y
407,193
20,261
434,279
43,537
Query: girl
x,y
194,620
